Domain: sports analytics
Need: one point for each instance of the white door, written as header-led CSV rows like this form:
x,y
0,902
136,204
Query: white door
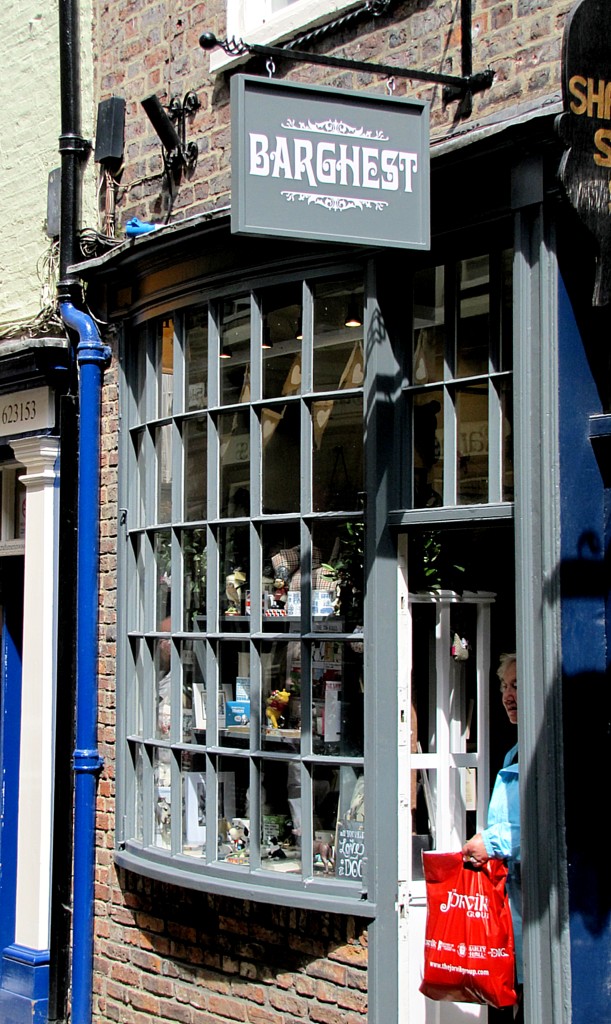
x,y
443,758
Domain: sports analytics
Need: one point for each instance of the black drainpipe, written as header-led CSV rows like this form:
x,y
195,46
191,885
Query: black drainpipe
x,y
73,149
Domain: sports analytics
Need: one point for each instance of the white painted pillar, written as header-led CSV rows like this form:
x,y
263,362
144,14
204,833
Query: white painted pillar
x,y
40,457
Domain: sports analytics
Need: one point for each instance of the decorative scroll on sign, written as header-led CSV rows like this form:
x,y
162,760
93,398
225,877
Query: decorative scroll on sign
x,y
585,127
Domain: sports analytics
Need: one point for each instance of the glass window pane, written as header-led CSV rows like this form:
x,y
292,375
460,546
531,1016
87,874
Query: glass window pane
x,y
281,816
163,705
338,335
280,428
422,800
194,804
195,450
163,575
281,695
135,723
338,579
136,583
164,473
428,449
139,790
337,461
281,581
196,359
350,845
472,444
166,388
162,803
234,577
194,555
234,694
232,783
507,310
138,483
429,326
138,363
235,350
282,336
473,328
193,668
234,440
325,806
507,440
337,697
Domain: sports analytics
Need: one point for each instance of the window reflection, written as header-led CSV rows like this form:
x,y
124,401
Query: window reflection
x,y
428,449
473,328
337,459
429,326
195,564
472,444
195,468
196,359
166,389
281,434
282,337
338,334
164,474
235,350
234,439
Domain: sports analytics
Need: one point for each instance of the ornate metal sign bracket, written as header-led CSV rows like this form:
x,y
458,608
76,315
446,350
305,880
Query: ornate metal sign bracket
x,y
455,86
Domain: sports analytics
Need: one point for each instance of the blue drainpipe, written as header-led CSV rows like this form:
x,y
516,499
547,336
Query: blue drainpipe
x,y
92,356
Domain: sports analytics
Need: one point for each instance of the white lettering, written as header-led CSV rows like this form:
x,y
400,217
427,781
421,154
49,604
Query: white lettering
x,y
345,162
303,160
390,171
325,164
281,159
370,167
409,163
330,163
259,160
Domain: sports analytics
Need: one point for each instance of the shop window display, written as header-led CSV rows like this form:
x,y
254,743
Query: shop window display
x,y
246,586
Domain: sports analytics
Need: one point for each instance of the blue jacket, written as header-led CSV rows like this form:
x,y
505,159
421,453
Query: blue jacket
x,y
502,836
502,839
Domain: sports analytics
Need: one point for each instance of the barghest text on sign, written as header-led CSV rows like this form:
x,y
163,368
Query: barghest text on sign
x,y
329,164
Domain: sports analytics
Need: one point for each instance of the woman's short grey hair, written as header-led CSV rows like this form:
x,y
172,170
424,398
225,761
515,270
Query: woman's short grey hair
x,y
504,662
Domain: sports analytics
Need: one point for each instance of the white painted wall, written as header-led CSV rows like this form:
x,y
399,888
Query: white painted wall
x,y
29,144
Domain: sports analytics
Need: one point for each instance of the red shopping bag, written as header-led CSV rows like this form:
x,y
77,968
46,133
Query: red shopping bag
x,y
468,947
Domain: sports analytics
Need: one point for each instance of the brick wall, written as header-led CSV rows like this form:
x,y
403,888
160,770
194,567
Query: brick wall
x,y
146,46
170,954
164,953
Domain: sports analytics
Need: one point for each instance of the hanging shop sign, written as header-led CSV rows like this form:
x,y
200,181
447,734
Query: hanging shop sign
x,y
326,164
585,127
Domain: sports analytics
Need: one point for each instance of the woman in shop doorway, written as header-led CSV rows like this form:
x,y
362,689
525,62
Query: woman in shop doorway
x,y
501,838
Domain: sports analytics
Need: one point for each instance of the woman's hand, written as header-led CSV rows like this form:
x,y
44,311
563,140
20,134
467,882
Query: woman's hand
x,y
474,851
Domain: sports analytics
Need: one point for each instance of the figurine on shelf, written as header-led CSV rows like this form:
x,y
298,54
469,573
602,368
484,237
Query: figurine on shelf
x,y
233,589
275,851
280,588
324,851
276,705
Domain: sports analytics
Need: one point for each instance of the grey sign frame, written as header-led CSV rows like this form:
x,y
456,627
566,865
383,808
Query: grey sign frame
x,y
328,164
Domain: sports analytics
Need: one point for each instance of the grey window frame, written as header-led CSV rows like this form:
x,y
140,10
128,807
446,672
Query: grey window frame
x,y
340,896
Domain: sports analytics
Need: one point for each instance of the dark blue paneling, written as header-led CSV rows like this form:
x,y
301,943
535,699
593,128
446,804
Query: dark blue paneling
x,y
11,570
584,579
